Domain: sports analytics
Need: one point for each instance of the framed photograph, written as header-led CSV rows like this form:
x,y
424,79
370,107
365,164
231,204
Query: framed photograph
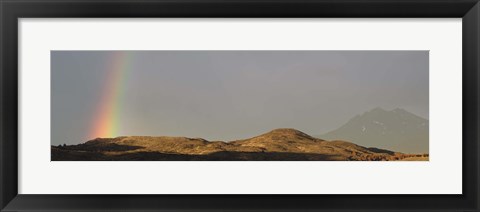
x,y
205,105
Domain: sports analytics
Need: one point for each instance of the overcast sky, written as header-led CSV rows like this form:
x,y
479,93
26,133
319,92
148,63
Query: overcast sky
x,y
228,95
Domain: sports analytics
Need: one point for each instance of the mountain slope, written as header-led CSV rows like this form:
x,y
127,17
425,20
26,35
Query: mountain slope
x,y
396,130
279,144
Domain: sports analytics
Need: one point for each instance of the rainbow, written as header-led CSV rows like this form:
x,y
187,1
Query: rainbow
x,y
106,122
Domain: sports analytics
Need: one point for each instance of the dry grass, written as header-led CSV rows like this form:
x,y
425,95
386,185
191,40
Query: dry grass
x,y
416,159
279,144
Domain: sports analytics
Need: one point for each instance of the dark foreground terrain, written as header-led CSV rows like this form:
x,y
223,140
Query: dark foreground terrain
x,y
277,145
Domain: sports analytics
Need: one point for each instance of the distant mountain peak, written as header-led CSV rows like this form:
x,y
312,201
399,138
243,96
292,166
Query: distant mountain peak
x,y
382,110
399,110
403,112
378,109
396,129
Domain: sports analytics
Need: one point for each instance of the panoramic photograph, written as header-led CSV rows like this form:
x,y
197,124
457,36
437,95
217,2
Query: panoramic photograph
x,y
279,105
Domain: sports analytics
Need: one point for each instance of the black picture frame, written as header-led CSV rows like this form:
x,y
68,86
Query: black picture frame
x,y
12,10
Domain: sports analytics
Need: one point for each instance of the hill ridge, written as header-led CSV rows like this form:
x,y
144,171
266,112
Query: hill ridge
x,y
277,144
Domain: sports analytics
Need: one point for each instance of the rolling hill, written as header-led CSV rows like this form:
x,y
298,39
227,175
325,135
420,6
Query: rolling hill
x,y
276,145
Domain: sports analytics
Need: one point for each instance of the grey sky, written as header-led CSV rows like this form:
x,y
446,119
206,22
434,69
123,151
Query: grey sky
x,y
228,95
